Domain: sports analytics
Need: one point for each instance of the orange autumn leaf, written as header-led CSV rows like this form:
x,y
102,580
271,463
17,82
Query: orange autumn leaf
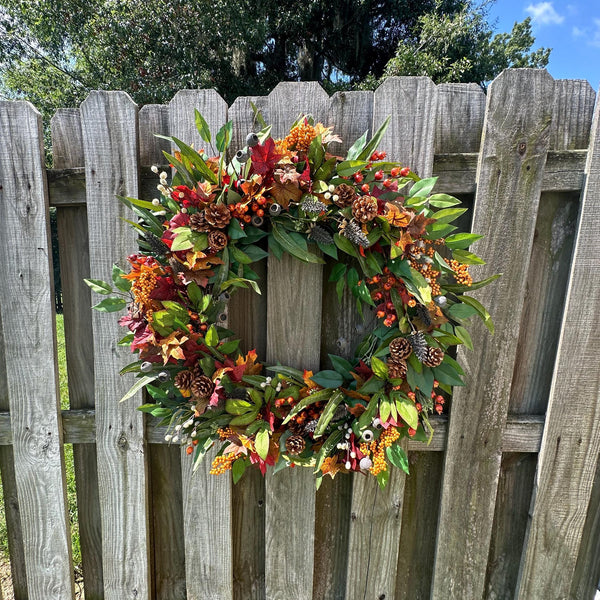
x,y
354,394
170,347
405,240
252,367
395,216
418,224
284,193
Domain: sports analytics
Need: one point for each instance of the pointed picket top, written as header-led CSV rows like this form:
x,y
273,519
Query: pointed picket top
x,y
411,104
290,99
244,121
460,113
574,101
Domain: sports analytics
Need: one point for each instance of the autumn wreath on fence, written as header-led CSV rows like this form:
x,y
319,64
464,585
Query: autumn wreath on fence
x,y
393,245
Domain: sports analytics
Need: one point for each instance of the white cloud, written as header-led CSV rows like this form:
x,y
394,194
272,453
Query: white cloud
x,y
543,13
591,35
577,32
595,37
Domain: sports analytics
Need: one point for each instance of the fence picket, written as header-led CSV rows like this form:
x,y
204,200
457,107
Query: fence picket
x,y
510,170
293,338
168,553
29,331
376,514
208,535
247,316
12,515
110,141
73,244
568,457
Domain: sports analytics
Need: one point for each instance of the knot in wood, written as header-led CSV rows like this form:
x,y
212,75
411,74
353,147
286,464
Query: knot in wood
x,y
521,148
122,442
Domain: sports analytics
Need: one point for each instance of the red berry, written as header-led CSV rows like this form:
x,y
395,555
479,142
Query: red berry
x,y
395,172
404,172
374,156
440,399
411,431
419,406
365,188
382,155
379,175
358,177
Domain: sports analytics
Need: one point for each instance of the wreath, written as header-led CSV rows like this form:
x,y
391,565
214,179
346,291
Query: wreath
x,y
394,247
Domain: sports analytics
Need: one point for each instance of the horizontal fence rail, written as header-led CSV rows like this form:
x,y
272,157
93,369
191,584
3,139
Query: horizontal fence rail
x,y
504,502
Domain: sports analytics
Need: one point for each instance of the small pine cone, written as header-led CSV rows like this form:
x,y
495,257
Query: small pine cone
x,y
197,371
198,222
419,345
352,231
396,369
183,380
320,234
311,426
295,444
313,206
400,349
217,215
217,240
364,208
202,387
434,357
345,195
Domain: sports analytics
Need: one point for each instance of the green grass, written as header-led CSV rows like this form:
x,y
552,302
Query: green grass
x,y
70,472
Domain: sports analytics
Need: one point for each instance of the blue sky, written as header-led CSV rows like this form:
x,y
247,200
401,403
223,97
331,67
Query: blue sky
x,y
570,28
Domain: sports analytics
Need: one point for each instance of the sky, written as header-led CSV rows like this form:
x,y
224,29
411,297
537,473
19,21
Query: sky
x,y
571,28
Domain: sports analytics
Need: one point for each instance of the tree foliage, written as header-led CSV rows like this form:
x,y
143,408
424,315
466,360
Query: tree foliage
x,y
53,52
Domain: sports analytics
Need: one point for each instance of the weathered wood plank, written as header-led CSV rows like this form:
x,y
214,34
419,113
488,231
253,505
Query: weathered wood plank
x,y
511,162
12,516
377,514
26,296
573,113
67,152
568,457
351,114
168,553
110,140
208,573
459,122
247,316
293,338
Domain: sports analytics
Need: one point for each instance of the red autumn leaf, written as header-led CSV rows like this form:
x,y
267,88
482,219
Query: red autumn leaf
x,y
264,157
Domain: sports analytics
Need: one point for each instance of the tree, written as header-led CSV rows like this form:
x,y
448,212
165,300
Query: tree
x,y
53,52
459,47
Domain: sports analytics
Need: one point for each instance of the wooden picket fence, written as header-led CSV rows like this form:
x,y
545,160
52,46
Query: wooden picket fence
x,y
504,503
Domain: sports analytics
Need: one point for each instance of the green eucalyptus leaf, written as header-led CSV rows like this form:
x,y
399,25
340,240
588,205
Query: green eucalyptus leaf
x,y
99,286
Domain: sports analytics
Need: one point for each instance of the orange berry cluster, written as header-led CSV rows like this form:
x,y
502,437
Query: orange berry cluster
x,y
288,401
300,137
225,433
242,210
426,269
142,288
222,463
377,449
382,294
461,272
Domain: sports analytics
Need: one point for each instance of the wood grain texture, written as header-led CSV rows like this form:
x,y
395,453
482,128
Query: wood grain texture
x,y
568,457
573,112
342,329
247,316
168,552
67,152
208,550
409,139
460,112
110,140
511,163
293,338
12,516
26,297
587,571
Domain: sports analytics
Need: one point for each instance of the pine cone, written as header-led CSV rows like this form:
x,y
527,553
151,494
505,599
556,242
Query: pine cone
x,y
396,370
295,444
423,314
345,195
352,231
202,387
217,215
364,208
217,240
400,349
156,245
434,357
313,206
198,222
419,345
183,380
